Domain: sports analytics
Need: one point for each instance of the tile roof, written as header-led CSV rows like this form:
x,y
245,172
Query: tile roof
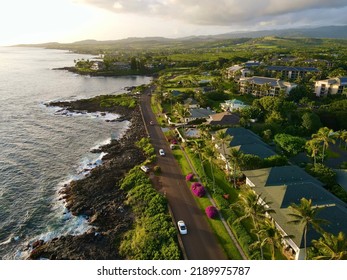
x,y
285,185
291,68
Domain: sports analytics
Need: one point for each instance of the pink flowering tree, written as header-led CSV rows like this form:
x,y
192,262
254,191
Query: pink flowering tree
x,y
198,189
189,177
211,211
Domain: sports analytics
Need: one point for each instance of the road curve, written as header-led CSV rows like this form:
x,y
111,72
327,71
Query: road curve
x,y
200,243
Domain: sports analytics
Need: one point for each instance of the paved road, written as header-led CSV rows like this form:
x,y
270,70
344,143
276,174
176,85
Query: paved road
x,y
200,243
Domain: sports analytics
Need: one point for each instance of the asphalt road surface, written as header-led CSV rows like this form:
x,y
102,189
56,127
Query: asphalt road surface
x,y
200,243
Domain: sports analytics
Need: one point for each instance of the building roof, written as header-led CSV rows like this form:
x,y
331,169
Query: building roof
x,y
285,185
273,82
292,68
340,81
198,113
259,149
235,68
343,81
242,136
248,142
252,63
225,118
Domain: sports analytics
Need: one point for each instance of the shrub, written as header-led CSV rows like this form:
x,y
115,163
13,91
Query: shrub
x,y
211,211
157,169
190,177
198,189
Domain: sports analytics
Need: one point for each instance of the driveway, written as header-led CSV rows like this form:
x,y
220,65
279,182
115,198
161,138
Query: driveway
x,y
200,243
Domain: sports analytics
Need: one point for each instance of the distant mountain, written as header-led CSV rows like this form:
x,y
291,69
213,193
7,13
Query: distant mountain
x,y
136,43
334,32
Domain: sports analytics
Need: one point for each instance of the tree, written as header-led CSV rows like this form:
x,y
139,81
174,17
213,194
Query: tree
x,y
224,140
210,154
331,247
311,122
306,214
270,235
197,146
234,157
343,137
289,143
255,208
336,73
313,147
182,112
324,136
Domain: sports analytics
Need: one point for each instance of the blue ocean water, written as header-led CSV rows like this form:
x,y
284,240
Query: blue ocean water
x,y
39,150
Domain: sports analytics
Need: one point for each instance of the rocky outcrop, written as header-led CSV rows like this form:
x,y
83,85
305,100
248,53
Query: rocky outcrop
x,y
98,196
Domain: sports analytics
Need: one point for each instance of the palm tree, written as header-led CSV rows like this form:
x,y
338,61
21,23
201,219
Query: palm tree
x,y
197,150
270,235
234,157
224,140
313,146
182,112
304,213
210,153
325,136
331,247
255,208
343,136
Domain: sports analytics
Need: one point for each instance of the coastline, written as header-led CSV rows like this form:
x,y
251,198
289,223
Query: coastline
x,y
97,196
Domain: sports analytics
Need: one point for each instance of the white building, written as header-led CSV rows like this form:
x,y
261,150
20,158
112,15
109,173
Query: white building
x,y
331,86
232,105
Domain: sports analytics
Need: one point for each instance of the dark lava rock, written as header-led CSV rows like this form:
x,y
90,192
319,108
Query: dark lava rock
x,y
98,196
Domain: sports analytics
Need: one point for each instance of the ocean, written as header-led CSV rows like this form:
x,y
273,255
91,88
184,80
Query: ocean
x,y
41,150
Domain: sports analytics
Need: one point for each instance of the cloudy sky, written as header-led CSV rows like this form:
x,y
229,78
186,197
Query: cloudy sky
x,y
39,21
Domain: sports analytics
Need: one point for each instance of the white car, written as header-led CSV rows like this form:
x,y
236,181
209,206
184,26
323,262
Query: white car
x,y
161,152
182,227
145,168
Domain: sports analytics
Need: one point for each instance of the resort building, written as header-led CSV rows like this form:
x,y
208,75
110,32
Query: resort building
x,y
285,185
263,86
331,86
291,72
237,71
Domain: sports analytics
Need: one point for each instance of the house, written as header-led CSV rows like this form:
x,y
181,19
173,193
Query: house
x,y
291,72
262,86
97,65
232,105
285,185
331,86
198,113
247,142
224,118
191,103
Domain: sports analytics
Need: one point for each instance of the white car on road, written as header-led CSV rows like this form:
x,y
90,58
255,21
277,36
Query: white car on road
x,y
182,227
161,152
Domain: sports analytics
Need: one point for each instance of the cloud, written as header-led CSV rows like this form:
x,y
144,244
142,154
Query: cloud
x,y
231,12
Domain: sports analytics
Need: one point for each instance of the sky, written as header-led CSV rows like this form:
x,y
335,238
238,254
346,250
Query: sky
x,y
65,21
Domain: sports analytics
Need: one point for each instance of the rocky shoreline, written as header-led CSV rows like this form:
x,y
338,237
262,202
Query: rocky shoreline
x,y
97,196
